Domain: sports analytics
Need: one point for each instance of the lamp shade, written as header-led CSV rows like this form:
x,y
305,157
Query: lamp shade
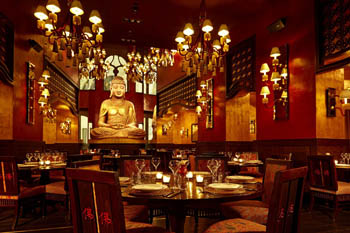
x,y
265,91
223,30
228,39
275,52
345,94
45,93
284,94
46,74
203,84
198,94
48,25
216,44
41,13
275,76
284,72
198,109
101,28
53,6
95,17
42,101
264,68
188,30
42,81
207,26
76,8
87,31
180,37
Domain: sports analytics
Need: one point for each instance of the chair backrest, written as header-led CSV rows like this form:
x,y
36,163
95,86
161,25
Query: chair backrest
x,y
8,176
95,164
109,163
249,156
127,164
322,172
287,194
272,166
96,201
202,162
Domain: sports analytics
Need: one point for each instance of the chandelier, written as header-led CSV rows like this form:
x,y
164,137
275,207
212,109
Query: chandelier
x,y
201,54
138,69
79,42
95,65
45,108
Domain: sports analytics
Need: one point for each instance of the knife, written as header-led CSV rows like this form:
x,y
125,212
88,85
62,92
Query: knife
x,y
173,194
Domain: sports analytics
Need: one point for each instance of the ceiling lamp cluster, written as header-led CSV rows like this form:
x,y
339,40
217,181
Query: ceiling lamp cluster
x,y
45,108
95,65
202,55
146,68
78,41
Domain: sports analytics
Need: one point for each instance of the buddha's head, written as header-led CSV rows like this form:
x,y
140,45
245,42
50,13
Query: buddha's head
x,y
118,87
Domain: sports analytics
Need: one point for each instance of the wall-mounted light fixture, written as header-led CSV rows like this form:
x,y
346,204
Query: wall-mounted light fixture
x,y
66,126
45,109
184,132
279,82
205,101
344,97
30,93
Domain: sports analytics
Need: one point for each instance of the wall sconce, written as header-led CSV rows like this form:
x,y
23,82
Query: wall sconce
x,y
279,81
66,126
184,132
45,109
30,93
205,101
344,97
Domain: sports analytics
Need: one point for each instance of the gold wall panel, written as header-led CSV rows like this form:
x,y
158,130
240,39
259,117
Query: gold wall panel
x,y
240,111
184,120
329,127
6,112
49,131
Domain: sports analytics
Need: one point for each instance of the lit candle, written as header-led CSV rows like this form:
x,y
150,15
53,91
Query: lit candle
x,y
159,175
240,160
235,159
166,178
336,161
199,178
47,162
41,162
189,175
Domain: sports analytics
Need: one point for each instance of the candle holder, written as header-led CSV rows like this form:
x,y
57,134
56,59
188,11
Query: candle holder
x,y
166,179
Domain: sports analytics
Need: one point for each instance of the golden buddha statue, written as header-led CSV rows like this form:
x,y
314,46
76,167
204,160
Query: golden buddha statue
x,y
117,118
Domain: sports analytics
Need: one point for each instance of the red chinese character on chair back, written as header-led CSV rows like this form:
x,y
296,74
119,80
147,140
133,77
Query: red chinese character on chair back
x,y
87,214
8,176
104,216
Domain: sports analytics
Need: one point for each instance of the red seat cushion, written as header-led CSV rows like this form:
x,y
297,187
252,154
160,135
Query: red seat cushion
x,y
137,213
56,188
235,225
26,192
254,210
137,227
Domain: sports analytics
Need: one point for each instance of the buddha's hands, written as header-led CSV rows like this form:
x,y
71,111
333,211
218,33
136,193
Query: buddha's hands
x,y
118,126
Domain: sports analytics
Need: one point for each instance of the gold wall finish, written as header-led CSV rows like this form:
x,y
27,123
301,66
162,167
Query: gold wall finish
x,y
329,127
240,110
6,111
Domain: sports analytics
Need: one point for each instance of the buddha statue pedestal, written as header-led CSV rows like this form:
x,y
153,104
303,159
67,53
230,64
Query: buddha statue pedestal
x,y
117,141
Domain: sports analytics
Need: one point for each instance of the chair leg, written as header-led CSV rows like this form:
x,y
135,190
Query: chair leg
x,y
312,202
16,213
196,216
336,209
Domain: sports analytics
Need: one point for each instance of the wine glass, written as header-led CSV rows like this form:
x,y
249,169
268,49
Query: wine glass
x,y
237,155
140,164
213,166
155,162
29,157
174,166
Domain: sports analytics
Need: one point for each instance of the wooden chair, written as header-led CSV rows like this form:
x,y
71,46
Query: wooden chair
x,y
97,203
256,210
250,171
127,164
283,215
202,161
12,194
324,184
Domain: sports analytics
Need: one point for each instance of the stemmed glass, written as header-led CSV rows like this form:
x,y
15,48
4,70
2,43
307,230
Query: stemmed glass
x,y
174,166
155,162
213,166
29,157
237,155
140,164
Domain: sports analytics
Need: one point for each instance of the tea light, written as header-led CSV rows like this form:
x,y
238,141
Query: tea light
x,y
159,175
47,162
166,178
336,161
41,162
235,159
199,178
240,160
189,175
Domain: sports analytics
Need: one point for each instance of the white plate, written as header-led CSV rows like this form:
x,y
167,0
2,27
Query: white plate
x,y
149,187
26,165
225,186
253,161
124,179
150,172
204,173
240,178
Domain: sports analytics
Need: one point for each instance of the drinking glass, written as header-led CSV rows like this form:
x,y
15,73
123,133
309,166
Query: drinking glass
x,y
29,157
155,162
174,166
237,155
213,166
140,164
342,155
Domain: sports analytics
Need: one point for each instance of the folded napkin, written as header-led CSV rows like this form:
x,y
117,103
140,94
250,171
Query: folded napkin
x,y
224,192
162,192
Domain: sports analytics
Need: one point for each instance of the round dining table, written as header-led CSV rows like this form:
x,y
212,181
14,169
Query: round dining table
x,y
176,201
26,170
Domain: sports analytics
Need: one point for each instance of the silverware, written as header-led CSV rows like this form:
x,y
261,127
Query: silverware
x,y
173,194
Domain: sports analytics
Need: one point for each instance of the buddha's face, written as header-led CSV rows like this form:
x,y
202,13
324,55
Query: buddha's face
x,y
118,90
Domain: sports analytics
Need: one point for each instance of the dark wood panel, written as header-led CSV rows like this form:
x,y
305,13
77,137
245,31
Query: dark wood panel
x,y
205,147
70,148
20,148
123,148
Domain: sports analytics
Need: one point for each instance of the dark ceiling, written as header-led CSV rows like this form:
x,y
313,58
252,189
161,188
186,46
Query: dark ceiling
x,y
161,19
